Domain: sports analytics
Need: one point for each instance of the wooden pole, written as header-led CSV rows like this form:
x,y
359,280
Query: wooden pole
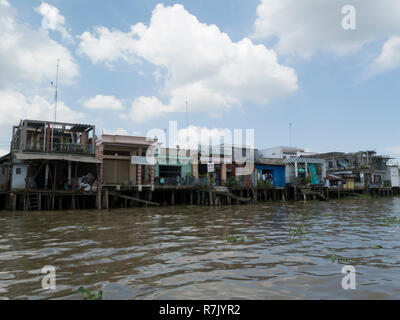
x,y
132,198
46,176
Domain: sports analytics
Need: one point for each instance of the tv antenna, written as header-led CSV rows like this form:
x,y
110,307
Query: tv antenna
x,y
55,103
290,134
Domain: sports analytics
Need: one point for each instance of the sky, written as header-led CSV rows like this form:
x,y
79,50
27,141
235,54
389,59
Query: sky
x,y
129,66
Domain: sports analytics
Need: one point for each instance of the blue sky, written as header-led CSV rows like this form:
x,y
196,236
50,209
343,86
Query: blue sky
x,y
339,88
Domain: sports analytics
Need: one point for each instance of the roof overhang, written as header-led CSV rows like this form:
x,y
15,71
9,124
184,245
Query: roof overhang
x,y
47,156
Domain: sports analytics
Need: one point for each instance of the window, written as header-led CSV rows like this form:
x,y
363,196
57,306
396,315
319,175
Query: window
x,y
18,170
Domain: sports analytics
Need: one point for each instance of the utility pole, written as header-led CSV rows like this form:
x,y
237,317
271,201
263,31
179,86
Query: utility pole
x,y
187,125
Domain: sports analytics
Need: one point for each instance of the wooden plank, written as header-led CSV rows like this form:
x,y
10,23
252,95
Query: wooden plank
x,y
115,194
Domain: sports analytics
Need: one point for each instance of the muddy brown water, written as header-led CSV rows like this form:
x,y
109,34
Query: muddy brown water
x,y
186,252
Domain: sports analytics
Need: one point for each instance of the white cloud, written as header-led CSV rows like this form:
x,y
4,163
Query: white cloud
x,y
4,152
110,46
305,26
103,102
201,64
53,20
4,3
146,108
119,131
14,107
28,57
193,136
389,58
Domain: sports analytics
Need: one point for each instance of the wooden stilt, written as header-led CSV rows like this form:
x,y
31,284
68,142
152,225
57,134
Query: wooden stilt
x,y
98,199
14,202
106,199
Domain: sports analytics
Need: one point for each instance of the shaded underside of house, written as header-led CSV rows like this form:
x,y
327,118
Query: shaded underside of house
x,y
43,171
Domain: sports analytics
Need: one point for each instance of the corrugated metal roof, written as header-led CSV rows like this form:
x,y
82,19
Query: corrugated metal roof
x,y
271,161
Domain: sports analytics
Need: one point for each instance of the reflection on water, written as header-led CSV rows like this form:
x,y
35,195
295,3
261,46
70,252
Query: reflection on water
x,y
183,252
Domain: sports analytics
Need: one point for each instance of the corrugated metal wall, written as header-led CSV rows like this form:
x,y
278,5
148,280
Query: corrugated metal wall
x,y
115,171
278,173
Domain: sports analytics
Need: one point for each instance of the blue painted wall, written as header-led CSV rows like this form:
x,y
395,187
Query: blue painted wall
x,y
278,173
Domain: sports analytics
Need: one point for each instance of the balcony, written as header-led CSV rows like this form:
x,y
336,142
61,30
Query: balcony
x,y
73,148
53,137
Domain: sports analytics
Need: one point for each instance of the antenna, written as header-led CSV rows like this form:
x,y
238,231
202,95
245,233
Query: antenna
x,y
56,93
55,104
290,134
187,115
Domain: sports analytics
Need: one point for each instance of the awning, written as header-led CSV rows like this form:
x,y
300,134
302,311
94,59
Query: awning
x,y
304,160
333,177
47,156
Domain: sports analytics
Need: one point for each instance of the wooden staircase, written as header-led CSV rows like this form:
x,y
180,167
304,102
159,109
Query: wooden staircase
x,y
33,201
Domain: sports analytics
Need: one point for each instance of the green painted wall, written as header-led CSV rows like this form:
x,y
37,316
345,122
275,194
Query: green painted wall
x,y
186,167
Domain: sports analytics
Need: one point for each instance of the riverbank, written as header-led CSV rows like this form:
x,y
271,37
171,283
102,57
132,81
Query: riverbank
x,y
112,197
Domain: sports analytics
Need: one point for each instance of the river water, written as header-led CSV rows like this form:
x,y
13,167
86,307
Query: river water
x,y
266,251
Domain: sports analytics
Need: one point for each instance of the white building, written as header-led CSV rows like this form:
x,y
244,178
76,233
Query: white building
x,y
392,175
283,153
